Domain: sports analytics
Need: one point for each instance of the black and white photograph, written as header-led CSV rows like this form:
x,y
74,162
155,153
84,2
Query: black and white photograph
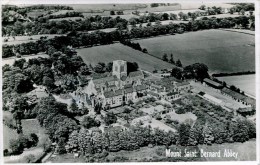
x,y
129,82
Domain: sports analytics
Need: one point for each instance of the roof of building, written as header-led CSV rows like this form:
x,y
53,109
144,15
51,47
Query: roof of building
x,y
109,94
123,78
238,96
128,90
182,83
172,93
153,93
165,79
105,79
214,83
140,87
128,86
135,73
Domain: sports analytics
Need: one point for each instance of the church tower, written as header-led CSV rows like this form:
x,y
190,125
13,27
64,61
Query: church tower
x,y
119,68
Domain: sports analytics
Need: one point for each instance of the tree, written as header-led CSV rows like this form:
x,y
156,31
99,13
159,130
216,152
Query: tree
x,y
84,70
100,67
74,107
202,7
132,66
16,146
184,134
89,122
19,63
48,82
176,72
110,118
178,63
165,57
172,60
112,12
109,67
154,4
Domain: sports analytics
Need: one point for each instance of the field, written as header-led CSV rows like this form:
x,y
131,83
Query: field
x,y
221,51
108,53
246,151
25,39
244,82
10,61
67,18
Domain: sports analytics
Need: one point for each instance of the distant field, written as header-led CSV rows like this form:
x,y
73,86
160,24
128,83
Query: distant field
x,y
244,82
108,53
25,39
67,18
102,7
187,5
221,51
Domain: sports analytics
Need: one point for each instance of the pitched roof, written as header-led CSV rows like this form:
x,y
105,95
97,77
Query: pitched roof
x,y
182,84
238,96
140,87
105,79
123,78
109,94
214,83
128,90
135,74
172,93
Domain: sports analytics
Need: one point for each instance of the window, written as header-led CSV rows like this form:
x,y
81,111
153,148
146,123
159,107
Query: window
x,y
116,68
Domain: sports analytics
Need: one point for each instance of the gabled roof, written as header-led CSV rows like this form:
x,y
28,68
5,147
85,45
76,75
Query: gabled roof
x,y
123,78
238,96
128,90
110,94
214,83
140,87
105,79
135,74
182,84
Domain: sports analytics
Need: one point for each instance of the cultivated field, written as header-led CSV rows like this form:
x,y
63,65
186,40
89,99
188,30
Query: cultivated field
x,y
221,51
244,82
108,53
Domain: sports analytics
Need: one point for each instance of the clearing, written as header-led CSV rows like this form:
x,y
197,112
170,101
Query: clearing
x,y
117,51
221,51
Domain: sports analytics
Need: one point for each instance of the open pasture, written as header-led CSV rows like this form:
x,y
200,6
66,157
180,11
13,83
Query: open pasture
x,y
117,51
221,51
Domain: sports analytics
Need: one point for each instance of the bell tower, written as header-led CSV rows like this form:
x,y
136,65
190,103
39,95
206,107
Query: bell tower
x,y
119,68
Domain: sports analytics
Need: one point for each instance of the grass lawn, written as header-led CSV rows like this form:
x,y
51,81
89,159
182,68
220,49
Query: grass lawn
x,y
108,53
221,51
246,151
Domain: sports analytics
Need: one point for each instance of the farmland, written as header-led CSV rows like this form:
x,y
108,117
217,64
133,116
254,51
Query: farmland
x,y
221,51
117,51
244,82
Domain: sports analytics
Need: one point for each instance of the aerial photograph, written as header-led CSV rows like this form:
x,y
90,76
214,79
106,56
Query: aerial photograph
x,y
128,82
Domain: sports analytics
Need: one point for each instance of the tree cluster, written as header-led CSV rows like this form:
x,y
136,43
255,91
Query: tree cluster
x,y
54,117
118,139
18,145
